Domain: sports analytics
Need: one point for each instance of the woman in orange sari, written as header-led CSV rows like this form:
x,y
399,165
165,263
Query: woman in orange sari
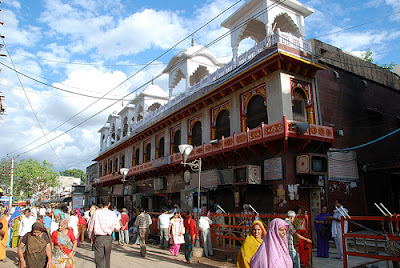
x,y
251,244
64,246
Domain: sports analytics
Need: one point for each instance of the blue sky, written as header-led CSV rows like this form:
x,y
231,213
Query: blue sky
x,y
92,46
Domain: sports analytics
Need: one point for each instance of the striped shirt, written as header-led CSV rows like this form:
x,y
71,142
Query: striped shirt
x,y
143,220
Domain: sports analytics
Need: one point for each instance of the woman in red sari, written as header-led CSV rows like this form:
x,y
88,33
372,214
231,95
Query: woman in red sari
x,y
65,244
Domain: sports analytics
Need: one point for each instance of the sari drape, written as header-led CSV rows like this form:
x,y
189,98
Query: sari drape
x,y
62,248
250,247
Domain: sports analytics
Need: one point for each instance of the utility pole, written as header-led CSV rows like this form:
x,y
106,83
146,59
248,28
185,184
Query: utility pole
x,y
12,181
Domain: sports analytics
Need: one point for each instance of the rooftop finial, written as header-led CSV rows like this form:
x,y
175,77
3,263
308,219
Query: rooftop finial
x,y
192,40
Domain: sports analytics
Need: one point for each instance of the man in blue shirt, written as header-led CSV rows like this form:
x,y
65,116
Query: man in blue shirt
x,y
47,222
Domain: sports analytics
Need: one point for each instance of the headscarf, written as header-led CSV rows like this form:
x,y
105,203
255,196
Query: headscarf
x,y
274,251
36,244
250,246
15,215
58,211
78,213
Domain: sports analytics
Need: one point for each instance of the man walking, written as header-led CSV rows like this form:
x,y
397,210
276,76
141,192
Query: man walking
x,y
291,215
143,221
102,224
123,232
337,227
204,226
163,225
26,223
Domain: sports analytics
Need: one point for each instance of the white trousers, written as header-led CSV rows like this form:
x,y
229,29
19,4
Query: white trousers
x,y
206,236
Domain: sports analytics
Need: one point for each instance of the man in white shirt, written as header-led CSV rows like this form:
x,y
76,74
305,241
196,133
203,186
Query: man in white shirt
x,y
101,226
337,227
42,211
26,223
34,212
163,224
204,226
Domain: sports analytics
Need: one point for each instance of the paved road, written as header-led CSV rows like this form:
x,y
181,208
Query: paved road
x,y
123,256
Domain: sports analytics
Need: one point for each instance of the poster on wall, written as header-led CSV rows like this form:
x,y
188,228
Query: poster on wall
x,y
273,169
77,201
342,166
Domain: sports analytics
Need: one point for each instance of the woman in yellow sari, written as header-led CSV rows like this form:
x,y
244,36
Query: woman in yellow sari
x,y
251,244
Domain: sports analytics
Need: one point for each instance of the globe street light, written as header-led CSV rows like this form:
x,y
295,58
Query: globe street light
x,y
195,165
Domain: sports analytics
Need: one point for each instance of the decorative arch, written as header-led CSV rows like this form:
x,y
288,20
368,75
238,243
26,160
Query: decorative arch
x,y
305,89
154,107
244,102
160,145
146,151
214,115
105,169
255,29
115,167
140,113
175,138
135,156
122,162
125,127
110,166
191,122
101,170
285,23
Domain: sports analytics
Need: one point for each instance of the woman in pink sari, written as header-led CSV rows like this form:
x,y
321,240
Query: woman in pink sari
x,y
64,246
274,251
176,231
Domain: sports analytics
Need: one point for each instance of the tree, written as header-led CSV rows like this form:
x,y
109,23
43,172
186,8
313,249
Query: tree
x,y
76,173
5,170
31,177
368,57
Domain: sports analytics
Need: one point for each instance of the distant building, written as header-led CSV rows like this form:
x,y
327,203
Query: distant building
x,y
90,194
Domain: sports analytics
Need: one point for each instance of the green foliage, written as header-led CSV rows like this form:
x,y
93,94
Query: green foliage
x,y
5,170
368,57
76,173
31,176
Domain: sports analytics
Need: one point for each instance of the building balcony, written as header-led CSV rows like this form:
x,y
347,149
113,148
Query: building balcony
x,y
266,134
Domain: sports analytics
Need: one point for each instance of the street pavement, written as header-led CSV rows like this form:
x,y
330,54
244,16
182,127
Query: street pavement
x,y
129,256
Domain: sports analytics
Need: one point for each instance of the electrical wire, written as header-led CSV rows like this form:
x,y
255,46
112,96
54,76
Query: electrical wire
x,y
359,25
130,78
181,62
30,104
365,144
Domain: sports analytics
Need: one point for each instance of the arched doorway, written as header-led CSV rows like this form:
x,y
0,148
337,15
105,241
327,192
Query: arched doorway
x,y
222,126
256,112
177,142
196,134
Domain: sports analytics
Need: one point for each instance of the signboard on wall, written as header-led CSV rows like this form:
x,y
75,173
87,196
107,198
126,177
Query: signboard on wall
x,y
273,169
342,166
77,202
209,179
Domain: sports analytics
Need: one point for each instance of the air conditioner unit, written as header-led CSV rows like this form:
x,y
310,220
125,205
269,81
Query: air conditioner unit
x,y
313,164
159,184
248,174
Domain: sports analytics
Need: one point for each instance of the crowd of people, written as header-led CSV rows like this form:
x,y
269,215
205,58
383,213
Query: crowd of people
x,y
49,237
274,247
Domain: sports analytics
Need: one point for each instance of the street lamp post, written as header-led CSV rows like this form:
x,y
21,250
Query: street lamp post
x,y
195,165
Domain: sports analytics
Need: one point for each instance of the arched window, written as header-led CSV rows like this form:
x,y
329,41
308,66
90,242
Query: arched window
x,y
136,157
299,105
222,126
110,166
101,171
115,168
196,134
105,169
177,141
122,164
139,114
161,147
147,153
125,129
112,134
256,112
